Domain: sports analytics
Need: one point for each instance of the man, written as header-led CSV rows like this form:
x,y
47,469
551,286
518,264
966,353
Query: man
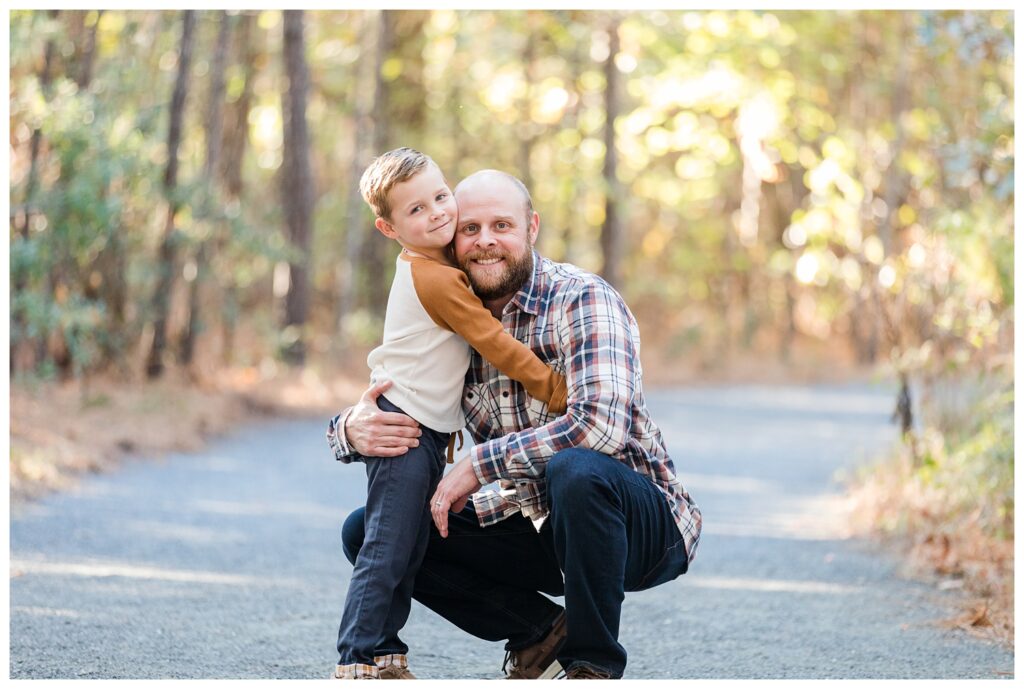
x,y
588,505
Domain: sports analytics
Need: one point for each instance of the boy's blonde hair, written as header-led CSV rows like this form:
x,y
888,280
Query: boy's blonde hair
x,y
387,170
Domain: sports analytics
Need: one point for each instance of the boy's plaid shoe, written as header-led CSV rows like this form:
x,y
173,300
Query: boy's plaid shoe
x,y
357,671
539,660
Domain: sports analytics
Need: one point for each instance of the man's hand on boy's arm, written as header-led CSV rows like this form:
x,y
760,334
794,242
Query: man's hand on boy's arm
x,y
373,432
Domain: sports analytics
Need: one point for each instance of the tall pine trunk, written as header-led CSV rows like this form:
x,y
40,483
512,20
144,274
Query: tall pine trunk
x,y
86,51
527,132
214,119
357,232
903,412
166,259
111,262
611,230
236,137
374,251
296,188
20,344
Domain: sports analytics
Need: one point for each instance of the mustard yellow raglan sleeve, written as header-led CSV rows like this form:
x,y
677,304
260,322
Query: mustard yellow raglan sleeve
x,y
448,299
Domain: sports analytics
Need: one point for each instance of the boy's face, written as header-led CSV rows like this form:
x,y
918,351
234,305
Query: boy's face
x,y
423,213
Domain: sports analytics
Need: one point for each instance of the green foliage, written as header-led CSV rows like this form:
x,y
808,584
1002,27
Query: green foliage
x,y
814,168
971,465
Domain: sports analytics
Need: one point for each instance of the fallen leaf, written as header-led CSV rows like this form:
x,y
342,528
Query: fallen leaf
x,y
976,617
980,617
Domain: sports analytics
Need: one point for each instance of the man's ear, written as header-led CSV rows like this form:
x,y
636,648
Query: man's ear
x,y
534,227
385,228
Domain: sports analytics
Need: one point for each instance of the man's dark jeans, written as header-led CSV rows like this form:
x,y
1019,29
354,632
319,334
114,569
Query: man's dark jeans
x,y
610,530
397,519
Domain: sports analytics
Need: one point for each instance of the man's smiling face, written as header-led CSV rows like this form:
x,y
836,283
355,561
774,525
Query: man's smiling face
x,y
495,234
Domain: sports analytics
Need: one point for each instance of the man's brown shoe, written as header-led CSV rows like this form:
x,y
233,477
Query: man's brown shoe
x,y
535,662
585,672
396,672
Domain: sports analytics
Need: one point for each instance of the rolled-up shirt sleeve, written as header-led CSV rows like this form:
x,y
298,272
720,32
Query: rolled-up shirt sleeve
x,y
343,452
598,338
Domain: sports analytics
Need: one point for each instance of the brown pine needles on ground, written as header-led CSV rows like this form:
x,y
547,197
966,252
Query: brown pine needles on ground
x,y
60,431
956,551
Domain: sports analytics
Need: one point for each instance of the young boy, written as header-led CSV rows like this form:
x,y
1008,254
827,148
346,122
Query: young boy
x,y
432,314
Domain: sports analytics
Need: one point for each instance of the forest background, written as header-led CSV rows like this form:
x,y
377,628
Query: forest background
x,y
799,195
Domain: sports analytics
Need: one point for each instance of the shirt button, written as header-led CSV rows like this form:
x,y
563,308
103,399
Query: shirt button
x,y
469,395
505,394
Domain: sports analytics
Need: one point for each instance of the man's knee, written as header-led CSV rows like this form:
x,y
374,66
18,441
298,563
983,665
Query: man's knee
x,y
352,534
574,472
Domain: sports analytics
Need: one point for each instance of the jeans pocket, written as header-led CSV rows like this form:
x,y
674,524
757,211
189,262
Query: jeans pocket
x,y
672,564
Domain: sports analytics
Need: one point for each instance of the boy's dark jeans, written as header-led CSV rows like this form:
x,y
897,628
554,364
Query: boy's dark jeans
x,y
610,531
397,525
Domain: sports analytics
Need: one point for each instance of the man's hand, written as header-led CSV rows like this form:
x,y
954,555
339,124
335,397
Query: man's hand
x,y
373,432
452,493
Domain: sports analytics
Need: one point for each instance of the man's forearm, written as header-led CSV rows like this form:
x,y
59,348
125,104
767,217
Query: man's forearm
x,y
524,454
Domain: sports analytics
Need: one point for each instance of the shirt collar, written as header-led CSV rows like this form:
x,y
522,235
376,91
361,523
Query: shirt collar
x,y
528,297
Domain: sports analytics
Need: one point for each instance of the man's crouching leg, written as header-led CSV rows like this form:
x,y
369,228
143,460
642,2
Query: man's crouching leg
x,y
612,531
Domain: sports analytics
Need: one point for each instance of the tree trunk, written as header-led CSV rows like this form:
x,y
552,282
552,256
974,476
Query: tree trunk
x,y
64,270
864,329
456,131
358,232
893,195
893,183
214,119
45,77
784,198
20,344
297,188
236,131
112,265
611,230
111,262
168,249
375,251
236,137
527,137
87,53
863,321
215,101
570,183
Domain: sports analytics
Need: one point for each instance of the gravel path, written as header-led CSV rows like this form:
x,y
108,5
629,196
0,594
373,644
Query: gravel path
x,y
227,564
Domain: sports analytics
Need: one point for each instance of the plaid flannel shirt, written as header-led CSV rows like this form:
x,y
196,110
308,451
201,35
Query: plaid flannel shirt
x,y
577,324
580,326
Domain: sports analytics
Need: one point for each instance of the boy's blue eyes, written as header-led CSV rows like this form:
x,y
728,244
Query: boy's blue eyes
x,y
416,209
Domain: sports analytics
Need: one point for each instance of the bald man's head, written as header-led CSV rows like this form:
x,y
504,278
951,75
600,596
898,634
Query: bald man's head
x,y
495,236
492,180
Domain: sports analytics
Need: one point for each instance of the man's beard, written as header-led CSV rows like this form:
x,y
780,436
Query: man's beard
x,y
518,269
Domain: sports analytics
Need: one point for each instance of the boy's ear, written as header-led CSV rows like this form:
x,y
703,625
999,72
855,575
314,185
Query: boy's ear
x,y
385,228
